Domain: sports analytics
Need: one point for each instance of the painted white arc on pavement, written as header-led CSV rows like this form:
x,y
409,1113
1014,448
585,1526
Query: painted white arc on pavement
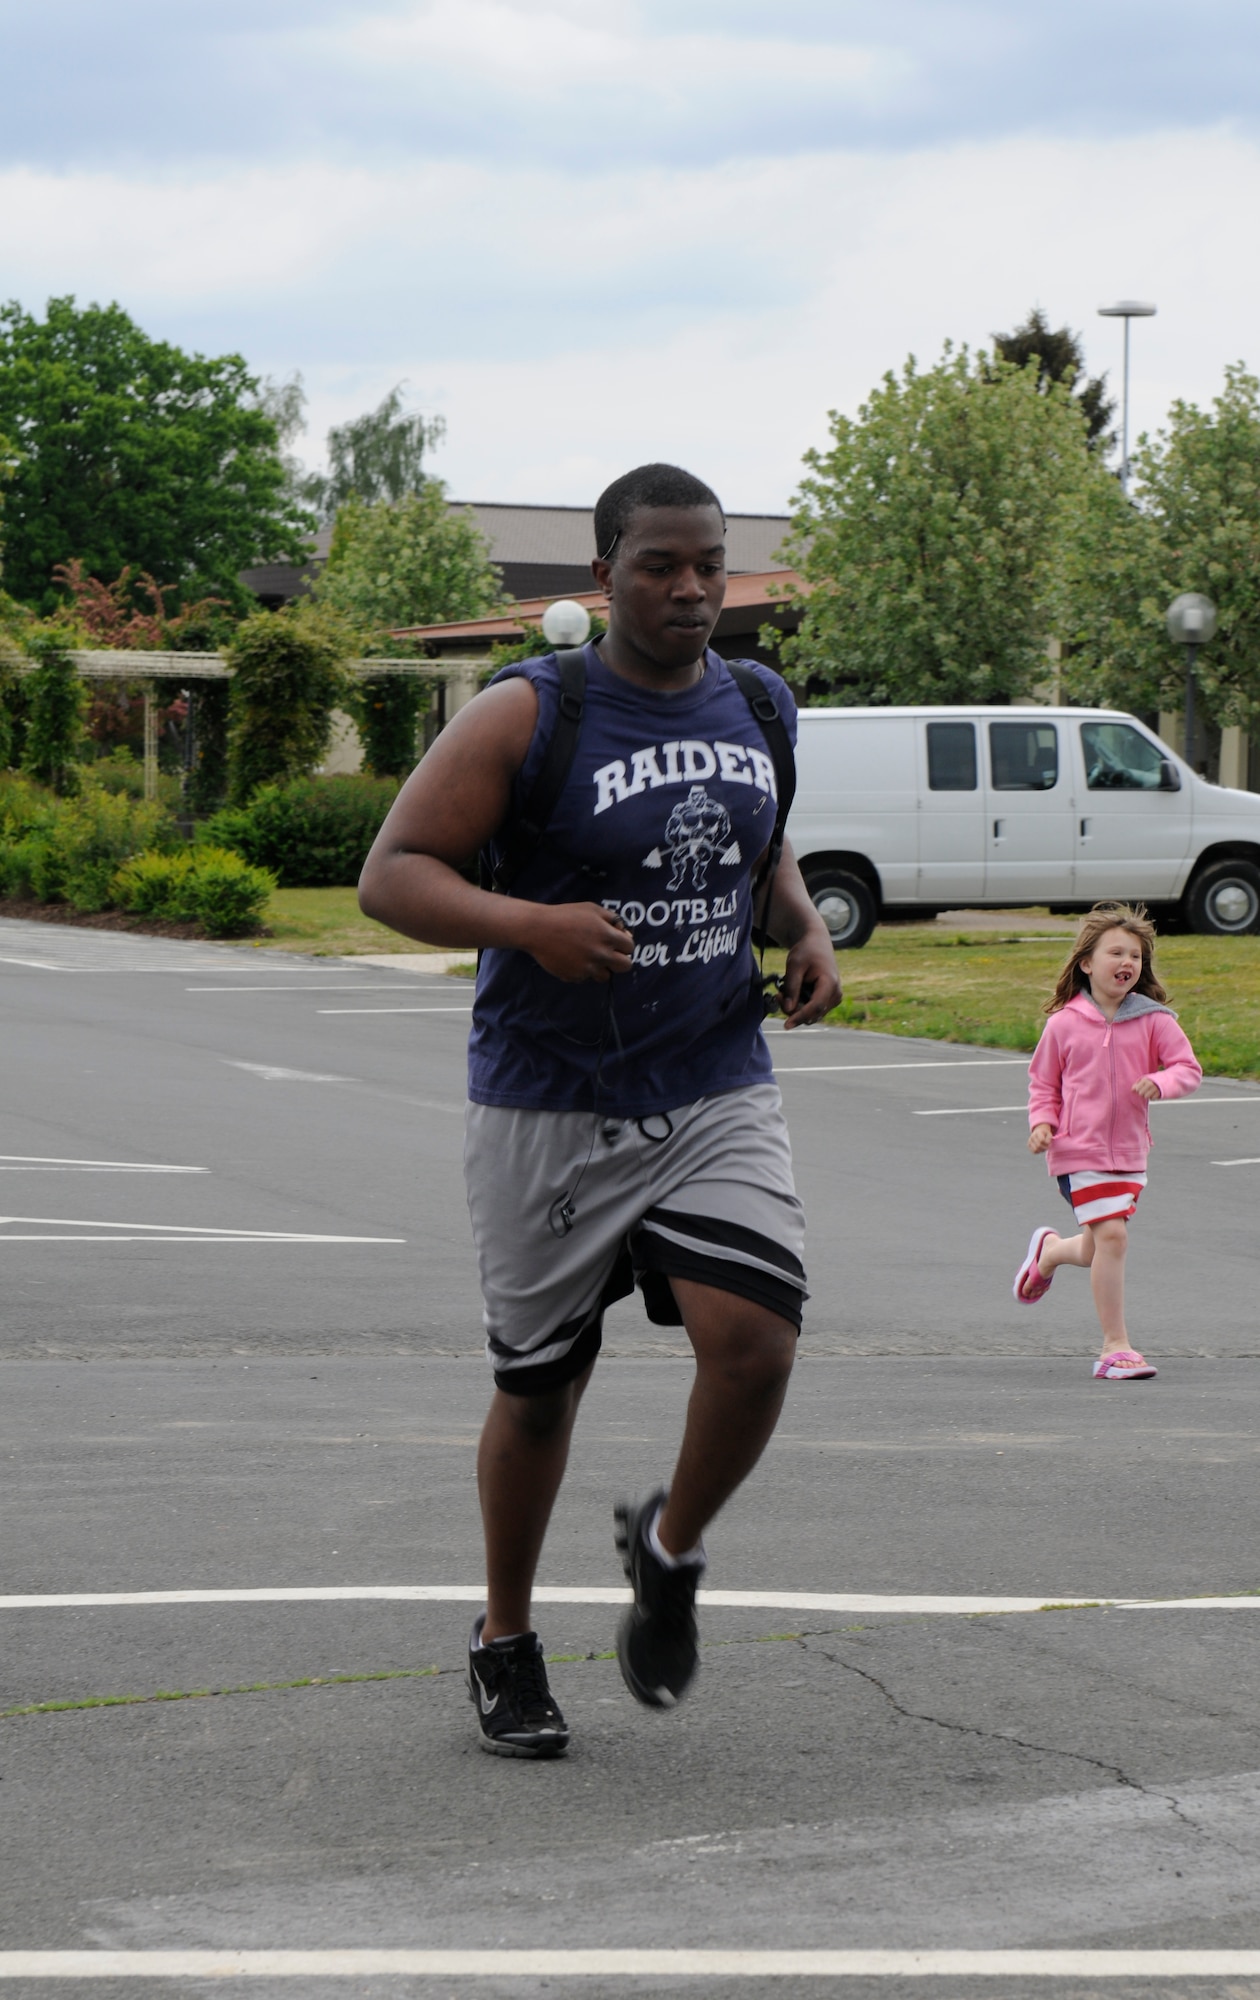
x,y
553,1593
609,1962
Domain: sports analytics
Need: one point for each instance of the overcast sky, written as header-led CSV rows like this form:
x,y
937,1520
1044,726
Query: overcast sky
x,y
589,232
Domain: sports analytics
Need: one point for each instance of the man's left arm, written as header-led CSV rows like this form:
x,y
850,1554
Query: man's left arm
x,y
811,985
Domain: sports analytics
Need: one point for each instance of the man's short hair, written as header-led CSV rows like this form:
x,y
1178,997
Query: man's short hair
x,y
646,486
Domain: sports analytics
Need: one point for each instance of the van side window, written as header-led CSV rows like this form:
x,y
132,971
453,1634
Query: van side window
x,y
1024,756
1118,759
951,748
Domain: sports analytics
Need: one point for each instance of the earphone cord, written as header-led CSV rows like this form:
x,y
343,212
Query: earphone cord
x,y
562,1211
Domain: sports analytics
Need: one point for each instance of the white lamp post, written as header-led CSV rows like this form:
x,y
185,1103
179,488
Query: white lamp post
x,y
1126,309
566,623
1191,621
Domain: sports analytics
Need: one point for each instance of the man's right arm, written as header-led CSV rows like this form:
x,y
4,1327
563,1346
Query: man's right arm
x,y
451,805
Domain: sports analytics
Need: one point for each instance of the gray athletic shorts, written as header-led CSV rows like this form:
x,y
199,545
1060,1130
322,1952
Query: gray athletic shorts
x,y
703,1192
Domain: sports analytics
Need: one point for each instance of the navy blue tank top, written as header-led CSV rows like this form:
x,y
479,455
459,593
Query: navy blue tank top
x,y
669,803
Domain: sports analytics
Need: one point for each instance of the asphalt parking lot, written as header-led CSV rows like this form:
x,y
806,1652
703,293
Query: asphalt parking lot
x,y
241,1357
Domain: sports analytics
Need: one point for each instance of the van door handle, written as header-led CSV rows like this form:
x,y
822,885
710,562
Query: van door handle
x,y
998,824
1085,833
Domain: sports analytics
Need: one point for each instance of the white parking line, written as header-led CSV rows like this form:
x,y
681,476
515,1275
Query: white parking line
x,y
554,1593
11,1163
607,1962
465,1009
359,986
1189,1103
972,1111
164,1232
1159,1104
967,1062
1237,1163
270,1073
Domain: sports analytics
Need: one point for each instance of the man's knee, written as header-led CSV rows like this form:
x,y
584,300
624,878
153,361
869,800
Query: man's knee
x,y
747,1345
541,1416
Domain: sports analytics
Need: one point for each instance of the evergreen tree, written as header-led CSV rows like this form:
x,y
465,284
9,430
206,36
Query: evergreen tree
x,y
1060,358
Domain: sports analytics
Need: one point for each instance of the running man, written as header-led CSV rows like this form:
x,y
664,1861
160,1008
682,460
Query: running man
x,y
624,1124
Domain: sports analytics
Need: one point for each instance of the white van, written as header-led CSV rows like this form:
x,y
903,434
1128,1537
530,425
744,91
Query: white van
x,y
902,810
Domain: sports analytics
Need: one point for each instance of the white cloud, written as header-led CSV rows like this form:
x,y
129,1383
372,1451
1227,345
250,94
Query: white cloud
x,y
568,326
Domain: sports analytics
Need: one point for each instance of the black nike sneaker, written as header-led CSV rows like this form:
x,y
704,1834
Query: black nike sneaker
x,y
507,1685
657,1639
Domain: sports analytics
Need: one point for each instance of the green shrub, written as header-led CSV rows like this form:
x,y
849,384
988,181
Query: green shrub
x,y
120,770
208,779
312,834
56,707
69,850
205,885
23,805
387,709
289,676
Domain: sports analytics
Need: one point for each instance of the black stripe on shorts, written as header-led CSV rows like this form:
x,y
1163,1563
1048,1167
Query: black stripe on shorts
x,y
731,1235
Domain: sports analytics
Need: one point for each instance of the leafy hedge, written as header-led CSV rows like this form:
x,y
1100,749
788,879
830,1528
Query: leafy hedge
x,y
69,850
205,885
313,833
105,851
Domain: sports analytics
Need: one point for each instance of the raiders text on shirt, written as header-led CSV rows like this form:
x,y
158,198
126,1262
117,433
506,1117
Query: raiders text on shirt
x,y
685,763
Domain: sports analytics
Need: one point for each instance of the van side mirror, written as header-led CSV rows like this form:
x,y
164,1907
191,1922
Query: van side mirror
x,y
1169,776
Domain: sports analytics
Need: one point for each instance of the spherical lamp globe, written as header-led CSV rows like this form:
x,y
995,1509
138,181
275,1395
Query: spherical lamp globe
x,y
566,623
1191,619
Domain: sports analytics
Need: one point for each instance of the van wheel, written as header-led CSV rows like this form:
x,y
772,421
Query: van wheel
x,y
845,905
1224,900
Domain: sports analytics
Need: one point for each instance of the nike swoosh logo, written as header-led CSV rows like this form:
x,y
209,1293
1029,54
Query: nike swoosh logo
x,y
487,1707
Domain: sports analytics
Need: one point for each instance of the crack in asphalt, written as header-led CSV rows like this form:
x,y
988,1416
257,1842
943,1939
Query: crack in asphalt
x,y
1115,1771
806,1641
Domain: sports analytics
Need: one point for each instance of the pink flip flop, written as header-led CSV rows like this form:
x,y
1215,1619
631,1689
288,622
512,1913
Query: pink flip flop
x,y
1126,1365
1029,1284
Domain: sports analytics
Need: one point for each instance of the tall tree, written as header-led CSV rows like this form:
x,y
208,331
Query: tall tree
x,y
407,562
930,535
130,451
285,404
379,456
1196,526
1060,358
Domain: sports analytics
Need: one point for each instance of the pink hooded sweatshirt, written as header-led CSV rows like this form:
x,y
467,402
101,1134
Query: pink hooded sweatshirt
x,y
1081,1081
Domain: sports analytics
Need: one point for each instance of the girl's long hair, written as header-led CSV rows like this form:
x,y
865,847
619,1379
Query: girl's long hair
x,y
1102,918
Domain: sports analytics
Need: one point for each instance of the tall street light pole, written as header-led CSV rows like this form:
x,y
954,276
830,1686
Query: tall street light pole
x,y
1126,309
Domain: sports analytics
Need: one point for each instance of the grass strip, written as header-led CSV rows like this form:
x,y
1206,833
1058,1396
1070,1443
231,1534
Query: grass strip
x,y
988,989
327,923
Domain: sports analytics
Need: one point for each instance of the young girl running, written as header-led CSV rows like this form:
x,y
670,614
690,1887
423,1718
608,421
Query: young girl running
x,y
1110,1046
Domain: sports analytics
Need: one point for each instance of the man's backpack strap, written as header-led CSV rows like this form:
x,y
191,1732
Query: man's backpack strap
x,y
522,834
779,744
